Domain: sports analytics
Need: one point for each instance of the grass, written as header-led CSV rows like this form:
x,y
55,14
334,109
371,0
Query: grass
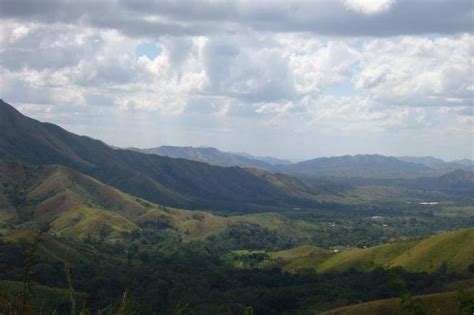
x,y
302,257
197,225
454,250
49,248
438,303
373,193
85,222
363,259
85,190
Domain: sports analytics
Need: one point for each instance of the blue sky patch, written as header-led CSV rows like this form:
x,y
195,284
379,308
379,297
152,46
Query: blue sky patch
x,y
148,49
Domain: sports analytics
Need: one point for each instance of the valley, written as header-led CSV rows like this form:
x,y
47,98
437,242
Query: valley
x,y
120,229
233,157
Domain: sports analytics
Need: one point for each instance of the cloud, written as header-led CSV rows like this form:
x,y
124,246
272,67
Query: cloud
x,y
153,19
207,70
321,65
250,69
369,6
414,71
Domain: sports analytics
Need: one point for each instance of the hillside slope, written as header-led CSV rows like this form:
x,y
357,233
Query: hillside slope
x,y
451,250
40,193
437,303
174,182
206,155
74,205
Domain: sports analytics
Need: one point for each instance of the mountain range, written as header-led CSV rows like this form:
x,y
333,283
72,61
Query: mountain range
x,y
173,182
439,164
210,156
348,166
364,165
184,183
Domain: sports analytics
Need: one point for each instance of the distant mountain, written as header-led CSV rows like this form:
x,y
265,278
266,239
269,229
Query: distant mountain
x,y
465,162
207,155
364,166
425,160
457,183
267,159
438,164
175,182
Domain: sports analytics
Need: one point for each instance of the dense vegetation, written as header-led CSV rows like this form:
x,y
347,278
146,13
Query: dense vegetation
x,y
160,278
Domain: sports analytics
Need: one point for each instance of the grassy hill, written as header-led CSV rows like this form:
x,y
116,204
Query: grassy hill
x,y
49,247
456,249
438,303
40,193
84,222
74,205
174,182
451,250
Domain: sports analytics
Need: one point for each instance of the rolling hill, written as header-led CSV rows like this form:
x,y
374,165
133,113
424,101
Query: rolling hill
x,y
40,193
451,250
174,182
437,303
77,206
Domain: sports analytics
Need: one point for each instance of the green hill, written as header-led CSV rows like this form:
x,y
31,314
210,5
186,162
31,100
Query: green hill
x,y
40,193
83,222
438,303
455,249
49,248
174,182
451,250
75,205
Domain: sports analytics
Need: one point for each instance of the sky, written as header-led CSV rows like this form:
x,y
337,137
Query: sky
x,y
290,79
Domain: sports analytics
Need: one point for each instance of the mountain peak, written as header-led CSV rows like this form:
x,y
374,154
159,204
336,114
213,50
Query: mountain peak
x,y
6,108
